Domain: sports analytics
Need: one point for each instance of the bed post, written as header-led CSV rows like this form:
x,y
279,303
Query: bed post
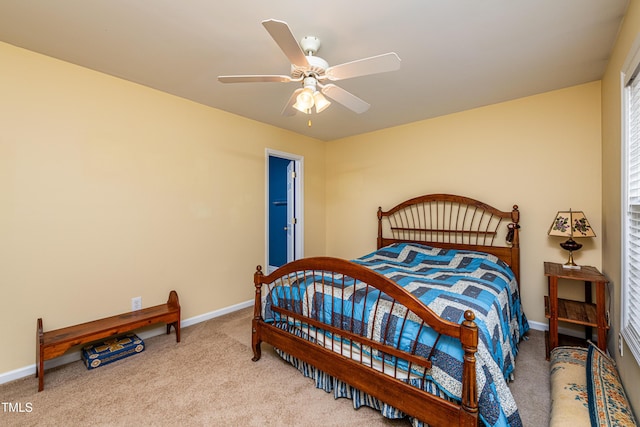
x,y
515,243
379,227
515,218
257,314
469,341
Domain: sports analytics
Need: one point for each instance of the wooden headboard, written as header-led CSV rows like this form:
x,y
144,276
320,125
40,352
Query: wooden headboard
x,y
451,221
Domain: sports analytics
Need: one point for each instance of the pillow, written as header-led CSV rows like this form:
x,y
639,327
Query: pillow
x,y
608,404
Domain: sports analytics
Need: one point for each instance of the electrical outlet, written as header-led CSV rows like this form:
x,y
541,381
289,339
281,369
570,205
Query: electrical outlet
x,y
136,303
620,344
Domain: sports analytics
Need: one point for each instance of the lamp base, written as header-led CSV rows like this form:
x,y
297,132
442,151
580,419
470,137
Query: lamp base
x,y
571,245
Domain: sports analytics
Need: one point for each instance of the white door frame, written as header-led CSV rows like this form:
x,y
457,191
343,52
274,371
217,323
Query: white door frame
x,y
291,213
298,206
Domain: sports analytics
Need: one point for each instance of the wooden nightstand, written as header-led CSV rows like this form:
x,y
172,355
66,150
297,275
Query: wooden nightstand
x,y
577,312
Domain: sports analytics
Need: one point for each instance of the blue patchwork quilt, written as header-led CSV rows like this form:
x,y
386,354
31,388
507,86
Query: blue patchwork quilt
x,y
447,281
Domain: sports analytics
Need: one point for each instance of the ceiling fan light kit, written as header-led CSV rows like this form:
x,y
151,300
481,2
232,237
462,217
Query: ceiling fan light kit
x,y
310,97
304,100
311,70
321,102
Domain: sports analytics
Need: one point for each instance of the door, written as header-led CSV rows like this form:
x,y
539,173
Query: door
x,y
284,209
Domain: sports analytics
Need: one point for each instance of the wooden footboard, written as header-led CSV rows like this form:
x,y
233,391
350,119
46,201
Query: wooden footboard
x,y
366,355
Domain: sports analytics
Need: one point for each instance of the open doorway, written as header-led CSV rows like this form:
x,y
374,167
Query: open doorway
x,y
284,240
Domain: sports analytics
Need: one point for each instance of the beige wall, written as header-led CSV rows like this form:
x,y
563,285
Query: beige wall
x,y
541,152
111,190
611,192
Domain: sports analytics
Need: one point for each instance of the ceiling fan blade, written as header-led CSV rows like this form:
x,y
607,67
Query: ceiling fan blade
x,y
362,67
283,36
345,98
256,78
288,109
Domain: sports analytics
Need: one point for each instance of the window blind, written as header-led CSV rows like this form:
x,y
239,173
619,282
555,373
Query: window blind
x,y
631,261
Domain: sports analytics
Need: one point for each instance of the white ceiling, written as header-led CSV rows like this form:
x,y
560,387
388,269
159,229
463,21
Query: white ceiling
x,y
456,54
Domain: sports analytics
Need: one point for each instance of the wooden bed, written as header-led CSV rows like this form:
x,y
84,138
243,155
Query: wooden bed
x,y
345,351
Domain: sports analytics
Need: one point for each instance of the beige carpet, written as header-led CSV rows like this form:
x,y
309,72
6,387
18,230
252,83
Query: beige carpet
x,y
209,380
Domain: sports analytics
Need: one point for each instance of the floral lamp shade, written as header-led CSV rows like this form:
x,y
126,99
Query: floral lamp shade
x,y
571,224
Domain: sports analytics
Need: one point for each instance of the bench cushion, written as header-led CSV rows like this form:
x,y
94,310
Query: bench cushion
x,y
608,404
569,402
111,349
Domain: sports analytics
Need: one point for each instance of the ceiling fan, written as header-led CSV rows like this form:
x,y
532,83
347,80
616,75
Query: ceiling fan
x,y
313,72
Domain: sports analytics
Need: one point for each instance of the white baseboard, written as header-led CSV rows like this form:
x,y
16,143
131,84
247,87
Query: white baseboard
x,y
147,333
216,313
541,326
538,326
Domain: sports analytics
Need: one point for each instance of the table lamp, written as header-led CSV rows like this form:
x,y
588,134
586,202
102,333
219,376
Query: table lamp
x,y
571,224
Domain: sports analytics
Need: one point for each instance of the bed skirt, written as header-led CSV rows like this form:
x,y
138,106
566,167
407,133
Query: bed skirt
x,y
340,389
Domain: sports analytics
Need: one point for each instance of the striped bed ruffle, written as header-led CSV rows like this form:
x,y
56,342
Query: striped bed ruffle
x,y
340,389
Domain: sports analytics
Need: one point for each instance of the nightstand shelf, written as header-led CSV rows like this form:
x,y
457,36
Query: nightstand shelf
x,y
585,313
577,312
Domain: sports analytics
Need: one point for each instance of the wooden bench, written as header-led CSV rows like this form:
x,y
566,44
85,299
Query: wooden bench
x,y
55,343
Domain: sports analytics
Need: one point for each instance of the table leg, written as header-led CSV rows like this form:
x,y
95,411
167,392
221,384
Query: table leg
x,y
553,312
588,330
602,315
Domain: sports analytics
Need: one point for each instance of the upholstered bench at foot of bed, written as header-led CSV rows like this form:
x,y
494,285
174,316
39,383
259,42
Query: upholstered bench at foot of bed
x,y
586,389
